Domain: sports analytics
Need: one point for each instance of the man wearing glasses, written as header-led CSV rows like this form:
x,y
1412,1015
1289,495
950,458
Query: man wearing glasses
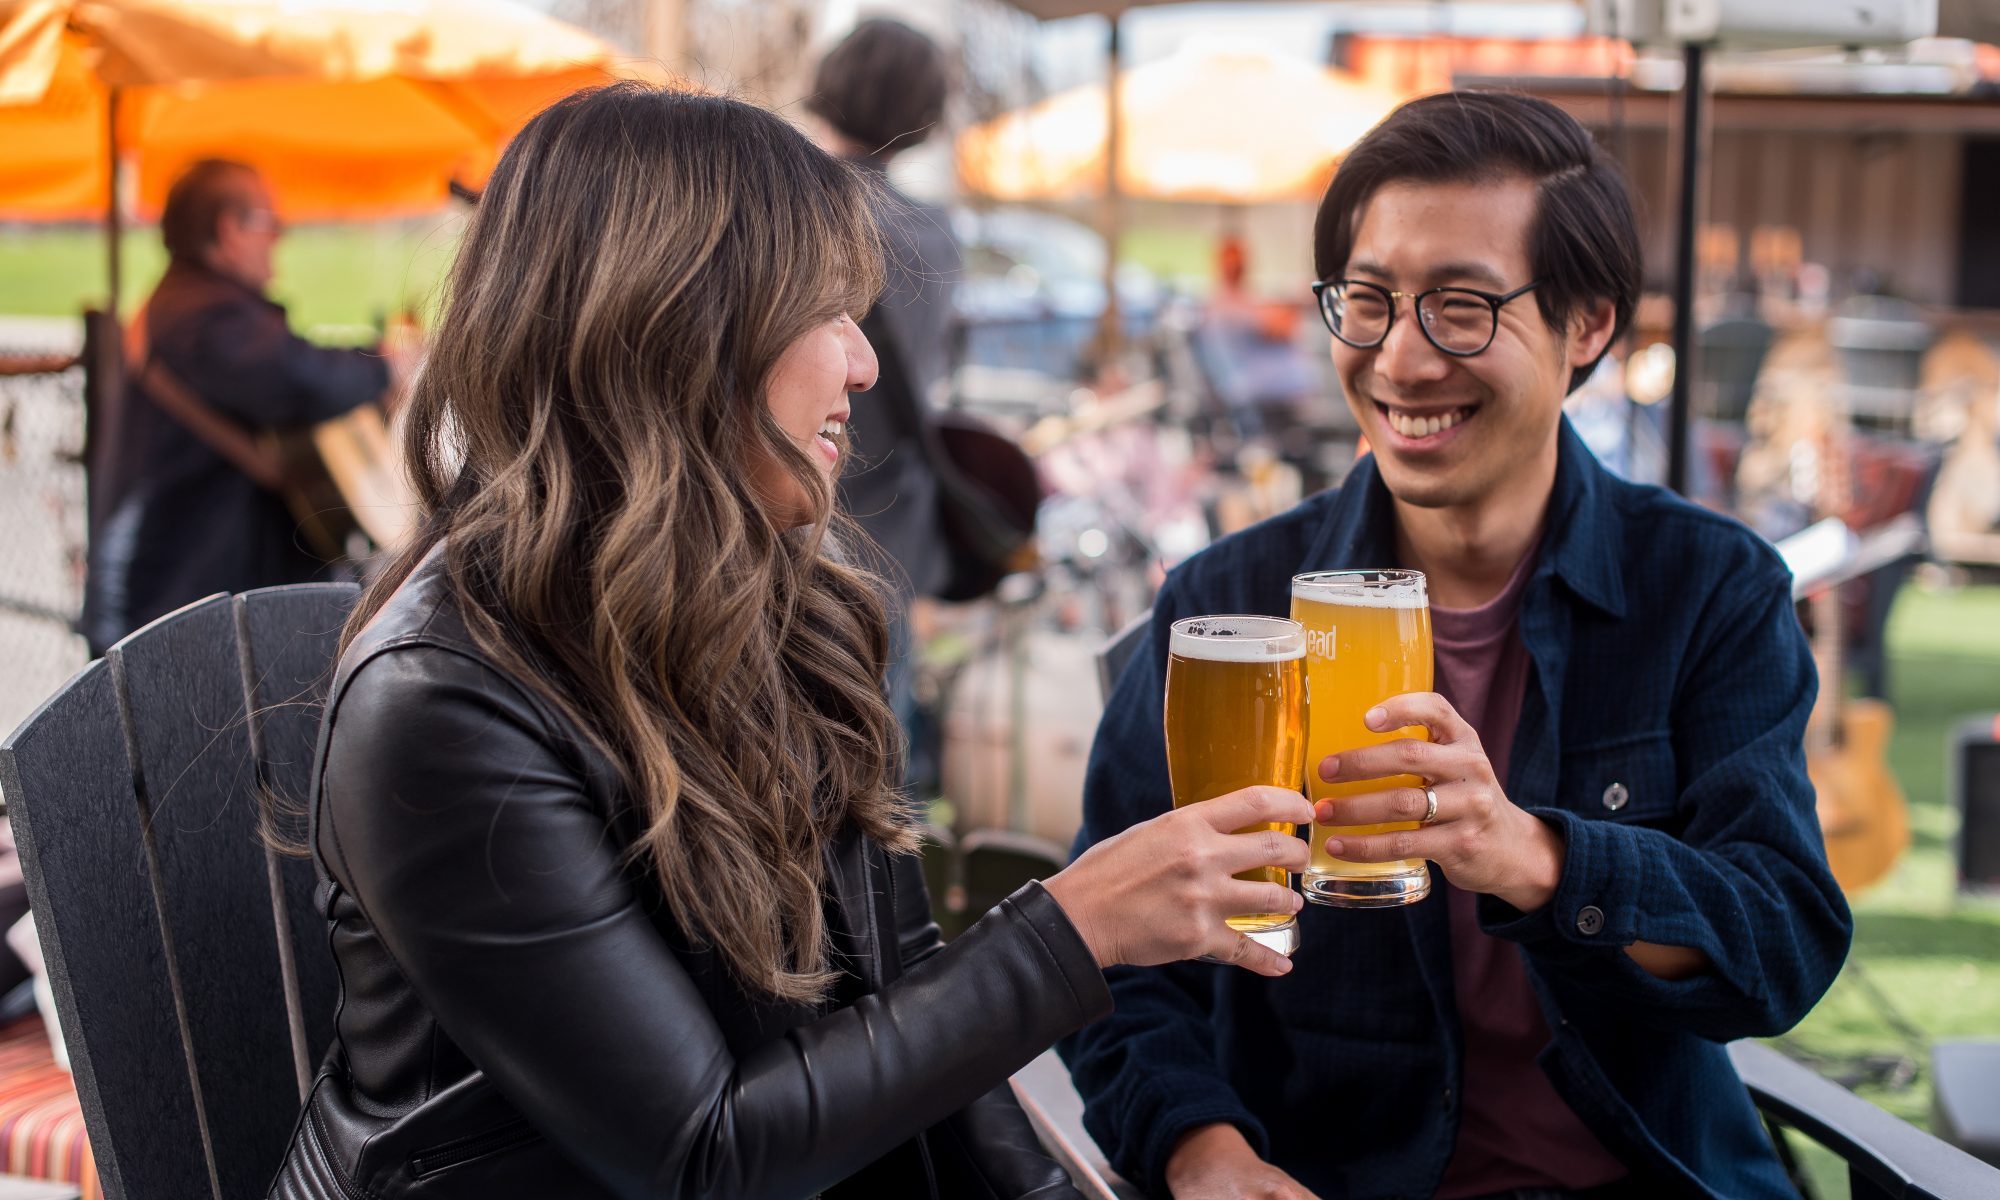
x,y
1626,869
179,519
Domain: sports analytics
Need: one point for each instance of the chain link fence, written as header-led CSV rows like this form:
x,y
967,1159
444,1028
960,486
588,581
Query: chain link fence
x,y
42,517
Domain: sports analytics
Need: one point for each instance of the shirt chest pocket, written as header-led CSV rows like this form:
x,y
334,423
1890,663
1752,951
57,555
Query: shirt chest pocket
x,y
1630,780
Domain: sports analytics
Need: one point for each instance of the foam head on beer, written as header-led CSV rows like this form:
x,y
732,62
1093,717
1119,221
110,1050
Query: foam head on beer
x,y
1237,639
1333,590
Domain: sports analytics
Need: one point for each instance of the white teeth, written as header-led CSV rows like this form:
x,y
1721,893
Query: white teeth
x,y
1423,427
833,429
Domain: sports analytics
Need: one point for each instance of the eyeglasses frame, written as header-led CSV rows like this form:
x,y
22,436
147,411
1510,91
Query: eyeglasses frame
x,y
1494,300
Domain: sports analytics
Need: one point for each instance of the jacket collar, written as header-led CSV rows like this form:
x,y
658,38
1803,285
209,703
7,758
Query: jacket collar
x,y
1580,548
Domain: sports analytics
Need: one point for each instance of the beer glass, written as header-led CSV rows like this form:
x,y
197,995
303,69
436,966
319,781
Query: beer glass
x,y
1235,718
1368,637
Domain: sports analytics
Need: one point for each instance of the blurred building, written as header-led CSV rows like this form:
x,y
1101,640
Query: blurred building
x,y
1882,170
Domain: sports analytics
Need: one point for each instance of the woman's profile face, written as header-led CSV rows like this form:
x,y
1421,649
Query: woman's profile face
x,y
807,394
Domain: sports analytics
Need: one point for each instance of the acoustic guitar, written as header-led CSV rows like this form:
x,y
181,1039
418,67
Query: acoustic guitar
x,y
1863,814
345,475
338,477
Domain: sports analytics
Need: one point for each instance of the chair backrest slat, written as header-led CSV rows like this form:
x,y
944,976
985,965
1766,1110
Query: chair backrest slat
x,y
1119,650
994,862
69,791
289,637
181,688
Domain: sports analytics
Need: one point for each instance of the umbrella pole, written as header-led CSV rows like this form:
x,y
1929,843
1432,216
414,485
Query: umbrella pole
x,y
665,32
1693,140
113,218
1110,326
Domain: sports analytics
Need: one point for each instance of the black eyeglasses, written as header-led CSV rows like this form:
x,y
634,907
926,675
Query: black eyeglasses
x,y
1459,321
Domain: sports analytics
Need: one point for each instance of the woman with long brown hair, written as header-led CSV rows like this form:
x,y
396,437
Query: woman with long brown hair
x,y
621,896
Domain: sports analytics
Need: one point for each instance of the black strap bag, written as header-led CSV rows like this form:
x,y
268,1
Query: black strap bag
x,y
988,489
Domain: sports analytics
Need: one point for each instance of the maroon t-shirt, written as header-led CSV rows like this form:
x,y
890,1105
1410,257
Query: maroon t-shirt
x,y
1514,1131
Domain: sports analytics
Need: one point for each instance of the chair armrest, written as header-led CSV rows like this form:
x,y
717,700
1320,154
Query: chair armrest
x,y
1119,649
1895,1158
22,1187
1056,1112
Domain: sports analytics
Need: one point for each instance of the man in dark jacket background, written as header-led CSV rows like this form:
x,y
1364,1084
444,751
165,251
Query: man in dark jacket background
x,y
179,520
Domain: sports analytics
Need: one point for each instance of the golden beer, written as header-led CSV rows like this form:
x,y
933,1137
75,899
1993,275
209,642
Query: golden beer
x,y
1235,718
1368,637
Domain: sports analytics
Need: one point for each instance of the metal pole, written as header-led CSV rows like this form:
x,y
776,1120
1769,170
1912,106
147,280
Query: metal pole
x,y
1692,150
664,32
1110,327
1017,618
114,218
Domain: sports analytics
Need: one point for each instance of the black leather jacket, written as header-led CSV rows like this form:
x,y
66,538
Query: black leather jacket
x,y
521,1017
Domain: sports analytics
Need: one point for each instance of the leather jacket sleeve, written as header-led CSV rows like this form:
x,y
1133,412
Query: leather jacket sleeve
x,y
988,1149
459,821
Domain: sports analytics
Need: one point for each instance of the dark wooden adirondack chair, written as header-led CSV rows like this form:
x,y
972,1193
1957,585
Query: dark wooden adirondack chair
x,y
1886,1158
994,862
190,970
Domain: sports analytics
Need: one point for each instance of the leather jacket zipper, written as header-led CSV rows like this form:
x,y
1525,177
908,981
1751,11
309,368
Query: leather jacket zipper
x,y
452,1154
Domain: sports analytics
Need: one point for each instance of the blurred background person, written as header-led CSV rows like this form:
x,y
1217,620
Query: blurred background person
x,y
880,91
183,518
1249,348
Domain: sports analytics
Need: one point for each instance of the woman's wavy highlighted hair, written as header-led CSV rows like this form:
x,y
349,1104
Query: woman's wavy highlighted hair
x,y
584,438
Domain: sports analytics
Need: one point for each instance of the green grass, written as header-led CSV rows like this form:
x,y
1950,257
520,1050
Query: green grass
x,y
346,276
1185,256
1932,958
340,277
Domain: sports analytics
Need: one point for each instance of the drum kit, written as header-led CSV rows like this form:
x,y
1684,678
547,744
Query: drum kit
x,y
1010,683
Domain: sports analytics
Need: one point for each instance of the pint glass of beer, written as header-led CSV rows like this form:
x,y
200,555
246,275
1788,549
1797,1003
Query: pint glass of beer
x,y
1368,637
1235,711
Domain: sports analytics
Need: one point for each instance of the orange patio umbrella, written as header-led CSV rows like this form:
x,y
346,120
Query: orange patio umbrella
x,y
1235,127
350,110
1238,127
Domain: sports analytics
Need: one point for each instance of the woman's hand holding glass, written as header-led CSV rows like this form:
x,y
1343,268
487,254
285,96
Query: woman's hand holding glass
x,y
1164,889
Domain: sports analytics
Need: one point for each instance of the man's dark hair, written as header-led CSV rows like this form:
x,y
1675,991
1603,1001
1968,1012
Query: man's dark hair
x,y
195,204
1584,242
883,87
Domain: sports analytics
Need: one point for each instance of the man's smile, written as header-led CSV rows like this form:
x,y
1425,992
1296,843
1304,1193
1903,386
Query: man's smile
x,y
1425,427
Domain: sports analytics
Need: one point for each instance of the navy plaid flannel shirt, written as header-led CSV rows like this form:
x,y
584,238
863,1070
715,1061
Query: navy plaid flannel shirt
x,y
1668,659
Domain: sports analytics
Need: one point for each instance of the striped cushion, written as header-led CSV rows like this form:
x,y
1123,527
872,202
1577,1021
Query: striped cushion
x,y
41,1125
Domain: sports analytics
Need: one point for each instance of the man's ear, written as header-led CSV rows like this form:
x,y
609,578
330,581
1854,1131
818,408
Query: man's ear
x,y
1590,330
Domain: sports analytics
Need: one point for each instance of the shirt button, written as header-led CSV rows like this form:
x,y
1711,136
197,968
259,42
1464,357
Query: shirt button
x,y
1589,920
1615,796
1447,1099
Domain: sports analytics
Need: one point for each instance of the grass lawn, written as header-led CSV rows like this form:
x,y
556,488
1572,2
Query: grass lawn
x,y
335,278
1179,255
1923,957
